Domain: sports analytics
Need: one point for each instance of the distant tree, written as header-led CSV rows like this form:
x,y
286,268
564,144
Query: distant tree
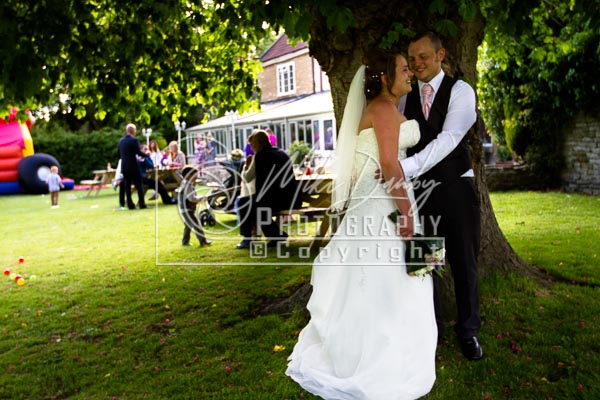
x,y
133,59
538,68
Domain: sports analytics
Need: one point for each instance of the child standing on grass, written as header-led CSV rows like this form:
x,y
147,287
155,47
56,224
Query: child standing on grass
x,y
54,185
187,202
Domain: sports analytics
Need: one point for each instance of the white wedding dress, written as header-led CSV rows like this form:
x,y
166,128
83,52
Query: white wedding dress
x,y
372,333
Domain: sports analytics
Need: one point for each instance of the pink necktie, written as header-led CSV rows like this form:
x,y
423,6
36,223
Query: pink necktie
x,y
427,91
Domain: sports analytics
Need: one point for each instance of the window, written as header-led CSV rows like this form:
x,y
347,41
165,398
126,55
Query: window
x,y
305,131
329,135
286,83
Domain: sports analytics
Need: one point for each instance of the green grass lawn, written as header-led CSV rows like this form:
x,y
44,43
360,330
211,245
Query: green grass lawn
x,y
115,307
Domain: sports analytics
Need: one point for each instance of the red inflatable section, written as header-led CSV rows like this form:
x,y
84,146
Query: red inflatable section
x,y
15,144
10,151
9,176
10,157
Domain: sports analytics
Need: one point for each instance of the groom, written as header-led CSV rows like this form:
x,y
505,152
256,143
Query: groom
x,y
445,109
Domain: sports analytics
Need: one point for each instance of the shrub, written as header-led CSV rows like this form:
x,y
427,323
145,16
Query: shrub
x,y
298,150
504,153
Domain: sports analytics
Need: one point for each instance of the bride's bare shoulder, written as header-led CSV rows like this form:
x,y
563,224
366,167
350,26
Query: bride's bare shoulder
x,y
366,121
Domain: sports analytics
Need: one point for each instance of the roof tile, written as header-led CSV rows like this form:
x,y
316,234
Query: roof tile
x,y
281,47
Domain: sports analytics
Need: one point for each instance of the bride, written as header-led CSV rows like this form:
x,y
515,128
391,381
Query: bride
x,y
372,333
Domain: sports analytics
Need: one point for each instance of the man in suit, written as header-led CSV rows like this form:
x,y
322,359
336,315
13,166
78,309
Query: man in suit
x,y
129,148
446,109
276,189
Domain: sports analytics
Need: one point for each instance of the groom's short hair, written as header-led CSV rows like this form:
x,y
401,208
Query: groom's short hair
x,y
433,37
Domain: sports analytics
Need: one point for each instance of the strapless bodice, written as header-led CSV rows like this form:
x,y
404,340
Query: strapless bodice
x,y
366,157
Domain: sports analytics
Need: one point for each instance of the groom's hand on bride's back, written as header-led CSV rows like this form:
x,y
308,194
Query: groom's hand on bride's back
x,y
379,176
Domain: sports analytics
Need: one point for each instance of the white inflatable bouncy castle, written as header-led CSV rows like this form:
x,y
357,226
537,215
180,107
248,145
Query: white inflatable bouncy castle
x,y
22,171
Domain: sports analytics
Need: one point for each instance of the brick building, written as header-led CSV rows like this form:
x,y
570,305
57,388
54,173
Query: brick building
x,y
295,103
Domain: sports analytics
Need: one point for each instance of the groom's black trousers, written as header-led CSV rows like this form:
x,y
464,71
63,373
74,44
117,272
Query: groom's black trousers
x,y
457,205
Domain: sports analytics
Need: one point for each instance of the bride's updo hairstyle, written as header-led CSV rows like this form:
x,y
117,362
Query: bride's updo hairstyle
x,y
378,63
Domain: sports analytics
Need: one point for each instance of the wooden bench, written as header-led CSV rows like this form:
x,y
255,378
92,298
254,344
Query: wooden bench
x,y
92,183
101,177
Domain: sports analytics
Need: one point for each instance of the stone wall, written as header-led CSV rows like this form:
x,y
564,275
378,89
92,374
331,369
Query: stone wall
x,y
582,154
509,176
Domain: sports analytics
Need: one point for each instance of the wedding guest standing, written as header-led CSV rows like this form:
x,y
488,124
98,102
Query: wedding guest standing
x,y
272,137
211,149
129,149
200,153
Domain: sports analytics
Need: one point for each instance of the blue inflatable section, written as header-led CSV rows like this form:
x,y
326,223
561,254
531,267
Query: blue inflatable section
x,y
15,188
10,188
69,183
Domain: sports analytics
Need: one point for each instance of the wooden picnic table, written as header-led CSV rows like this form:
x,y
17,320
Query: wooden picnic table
x,y
316,189
316,200
101,177
170,178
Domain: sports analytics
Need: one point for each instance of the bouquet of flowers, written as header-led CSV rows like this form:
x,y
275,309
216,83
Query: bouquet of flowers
x,y
423,255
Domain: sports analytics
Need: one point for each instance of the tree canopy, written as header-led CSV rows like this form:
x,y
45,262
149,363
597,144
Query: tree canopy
x,y
133,59
138,60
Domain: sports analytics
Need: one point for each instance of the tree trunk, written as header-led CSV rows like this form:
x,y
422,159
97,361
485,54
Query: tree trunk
x,y
340,55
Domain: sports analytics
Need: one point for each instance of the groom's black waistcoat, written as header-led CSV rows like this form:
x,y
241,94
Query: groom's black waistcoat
x,y
459,160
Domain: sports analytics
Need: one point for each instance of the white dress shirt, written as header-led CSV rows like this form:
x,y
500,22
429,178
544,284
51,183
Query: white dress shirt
x,y
460,117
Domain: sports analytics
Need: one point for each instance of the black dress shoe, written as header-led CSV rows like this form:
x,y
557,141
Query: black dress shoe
x,y
471,348
244,244
205,243
274,241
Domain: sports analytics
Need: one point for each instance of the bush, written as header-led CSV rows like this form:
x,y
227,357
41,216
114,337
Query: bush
x,y
298,150
532,83
504,153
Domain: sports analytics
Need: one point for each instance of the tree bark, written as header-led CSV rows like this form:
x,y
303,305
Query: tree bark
x,y
340,55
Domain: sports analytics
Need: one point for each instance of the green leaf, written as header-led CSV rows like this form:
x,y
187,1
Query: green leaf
x,y
446,27
538,54
437,7
393,36
467,9
342,19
